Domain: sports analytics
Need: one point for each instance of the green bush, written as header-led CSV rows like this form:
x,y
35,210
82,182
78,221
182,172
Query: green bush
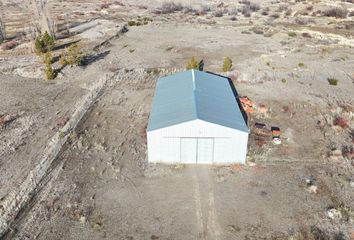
x,y
44,43
73,55
47,58
131,23
292,34
227,64
333,81
301,64
49,73
192,64
62,59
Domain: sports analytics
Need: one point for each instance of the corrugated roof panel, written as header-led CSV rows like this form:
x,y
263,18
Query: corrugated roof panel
x,y
193,95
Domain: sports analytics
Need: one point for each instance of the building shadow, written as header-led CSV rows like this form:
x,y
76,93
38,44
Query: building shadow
x,y
237,99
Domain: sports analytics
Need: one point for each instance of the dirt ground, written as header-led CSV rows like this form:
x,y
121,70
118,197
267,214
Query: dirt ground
x,y
102,186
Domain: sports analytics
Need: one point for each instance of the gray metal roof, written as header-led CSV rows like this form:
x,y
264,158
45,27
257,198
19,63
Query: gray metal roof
x,y
191,95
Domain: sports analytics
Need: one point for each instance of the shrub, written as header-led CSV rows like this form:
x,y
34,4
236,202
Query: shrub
x,y
9,45
282,8
302,21
44,43
62,59
131,23
73,55
301,64
265,11
47,58
227,64
246,10
48,41
339,121
246,2
254,7
218,13
192,64
306,35
49,73
275,15
292,34
333,81
168,7
337,12
288,12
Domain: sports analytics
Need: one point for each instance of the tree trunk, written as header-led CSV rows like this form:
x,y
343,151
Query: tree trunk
x,y
42,16
2,30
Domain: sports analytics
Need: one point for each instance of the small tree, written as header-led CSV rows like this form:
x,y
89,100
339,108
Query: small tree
x,y
49,73
74,55
44,43
227,64
47,58
48,41
192,64
62,59
39,46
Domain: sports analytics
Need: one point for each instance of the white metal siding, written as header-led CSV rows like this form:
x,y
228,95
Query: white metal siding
x,y
230,145
188,150
205,153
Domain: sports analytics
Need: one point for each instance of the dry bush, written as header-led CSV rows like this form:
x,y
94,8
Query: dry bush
x,y
341,122
275,15
104,5
288,12
351,14
218,13
188,9
306,35
246,2
168,7
335,11
233,11
254,7
9,45
303,21
246,11
265,11
309,8
282,8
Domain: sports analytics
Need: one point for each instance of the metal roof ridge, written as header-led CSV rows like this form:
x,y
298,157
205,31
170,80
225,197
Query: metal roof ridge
x,y
194,95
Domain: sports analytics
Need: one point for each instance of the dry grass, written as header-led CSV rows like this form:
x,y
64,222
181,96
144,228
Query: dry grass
x,y
337,12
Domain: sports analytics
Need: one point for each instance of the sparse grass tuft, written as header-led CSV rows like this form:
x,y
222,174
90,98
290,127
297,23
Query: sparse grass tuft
x,y
333,81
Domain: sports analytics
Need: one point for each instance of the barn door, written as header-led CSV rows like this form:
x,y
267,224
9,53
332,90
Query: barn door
x,y
188,150
205,150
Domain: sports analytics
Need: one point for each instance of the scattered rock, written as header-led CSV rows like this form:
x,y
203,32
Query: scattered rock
x,y
82,219
333,213
220,179
312,189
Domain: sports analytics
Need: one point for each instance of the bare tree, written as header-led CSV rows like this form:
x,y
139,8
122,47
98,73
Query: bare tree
x,y
42,16
2,26
2,31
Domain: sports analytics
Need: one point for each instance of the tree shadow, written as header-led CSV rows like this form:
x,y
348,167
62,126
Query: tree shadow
x,y
94,58
64,45
234,91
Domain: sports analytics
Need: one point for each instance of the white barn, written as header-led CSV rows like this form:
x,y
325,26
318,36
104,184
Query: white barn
x,y
195,118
